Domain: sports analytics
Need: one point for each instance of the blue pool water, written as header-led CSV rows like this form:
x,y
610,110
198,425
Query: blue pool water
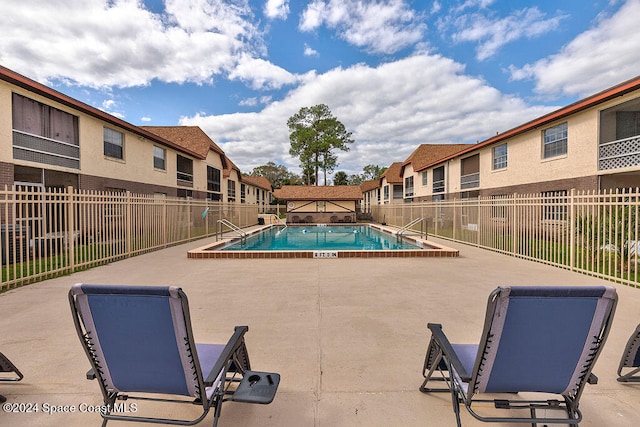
x,y
314,238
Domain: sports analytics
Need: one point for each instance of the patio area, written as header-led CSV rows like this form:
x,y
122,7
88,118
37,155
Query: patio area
x,y
348,336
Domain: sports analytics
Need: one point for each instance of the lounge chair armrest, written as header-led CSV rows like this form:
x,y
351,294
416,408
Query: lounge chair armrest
x,y
236,340
448,351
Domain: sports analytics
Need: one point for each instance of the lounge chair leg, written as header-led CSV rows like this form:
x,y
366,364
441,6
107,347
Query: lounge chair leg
x,y
456,405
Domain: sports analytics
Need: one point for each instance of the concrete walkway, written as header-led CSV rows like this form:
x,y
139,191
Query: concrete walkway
x,y
348,336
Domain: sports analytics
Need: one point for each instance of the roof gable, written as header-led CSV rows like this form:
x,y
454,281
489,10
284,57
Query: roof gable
x,y
428,154
393,174
257,181
190,137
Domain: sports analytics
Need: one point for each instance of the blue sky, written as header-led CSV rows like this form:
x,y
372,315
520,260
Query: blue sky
x,y
397,73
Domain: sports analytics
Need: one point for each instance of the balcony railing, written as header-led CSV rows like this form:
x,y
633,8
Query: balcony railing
x,y
471,180
622,153
34,148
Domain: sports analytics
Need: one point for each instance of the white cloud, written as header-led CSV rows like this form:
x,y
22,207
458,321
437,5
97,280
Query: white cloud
x,y
104,43
249,102
261,74
108,104
603,56
492,34
390,109
276,9
378,26
309,51
435,8
145,119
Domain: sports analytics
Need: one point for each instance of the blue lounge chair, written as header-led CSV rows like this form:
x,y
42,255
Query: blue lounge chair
x,y
535,339
8,372
138,340
631,359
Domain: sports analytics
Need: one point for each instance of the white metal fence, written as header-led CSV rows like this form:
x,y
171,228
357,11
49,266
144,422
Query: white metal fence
x,y
45,233
593,233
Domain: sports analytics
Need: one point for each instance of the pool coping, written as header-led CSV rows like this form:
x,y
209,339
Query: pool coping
x,y
427,249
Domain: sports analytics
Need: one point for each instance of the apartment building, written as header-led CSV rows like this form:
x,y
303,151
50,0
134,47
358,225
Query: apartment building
x,y
407,181
51,140
593,144
590,145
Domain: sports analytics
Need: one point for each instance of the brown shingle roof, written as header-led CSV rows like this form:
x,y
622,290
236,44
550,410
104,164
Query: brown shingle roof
x,y
190,137
311,192
393,174
372,184
257,181
428,154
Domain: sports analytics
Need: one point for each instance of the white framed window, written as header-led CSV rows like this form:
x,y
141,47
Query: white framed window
x,y
386,192
425,178
554,205
408,186
159,158
499,156
113,143
555,141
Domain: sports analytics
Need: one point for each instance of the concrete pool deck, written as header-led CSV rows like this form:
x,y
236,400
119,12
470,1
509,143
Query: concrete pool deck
x,y
423,247
348,335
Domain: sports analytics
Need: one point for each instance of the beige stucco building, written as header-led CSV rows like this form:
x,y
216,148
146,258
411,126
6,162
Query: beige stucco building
x,y
320,204
48,139
590,145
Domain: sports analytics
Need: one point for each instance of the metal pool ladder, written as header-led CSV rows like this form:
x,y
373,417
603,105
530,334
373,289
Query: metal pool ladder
x,y
413,222
232,226
278,219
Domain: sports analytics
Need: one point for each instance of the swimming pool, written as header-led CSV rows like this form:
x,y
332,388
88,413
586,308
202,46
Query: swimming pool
x,y
322,241
321,238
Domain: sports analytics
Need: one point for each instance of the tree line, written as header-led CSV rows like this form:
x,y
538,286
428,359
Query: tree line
x,y
279,175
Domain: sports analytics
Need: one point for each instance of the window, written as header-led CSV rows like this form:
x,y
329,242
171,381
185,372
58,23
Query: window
x,y
500,204
44,134
470,172
33,117
213,179
386,192
243,193
438,180
185,170
397,191
184,193
159,156
555,141
425,175
408,186
113,143
554,205
500,157
231,191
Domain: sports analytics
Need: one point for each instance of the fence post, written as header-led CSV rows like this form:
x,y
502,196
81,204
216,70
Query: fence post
x,y
572,230
71,240
515,233
478,223
453,218
128,223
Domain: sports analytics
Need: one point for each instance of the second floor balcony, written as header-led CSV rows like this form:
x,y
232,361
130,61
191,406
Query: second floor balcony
x,y
471,180
622,153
